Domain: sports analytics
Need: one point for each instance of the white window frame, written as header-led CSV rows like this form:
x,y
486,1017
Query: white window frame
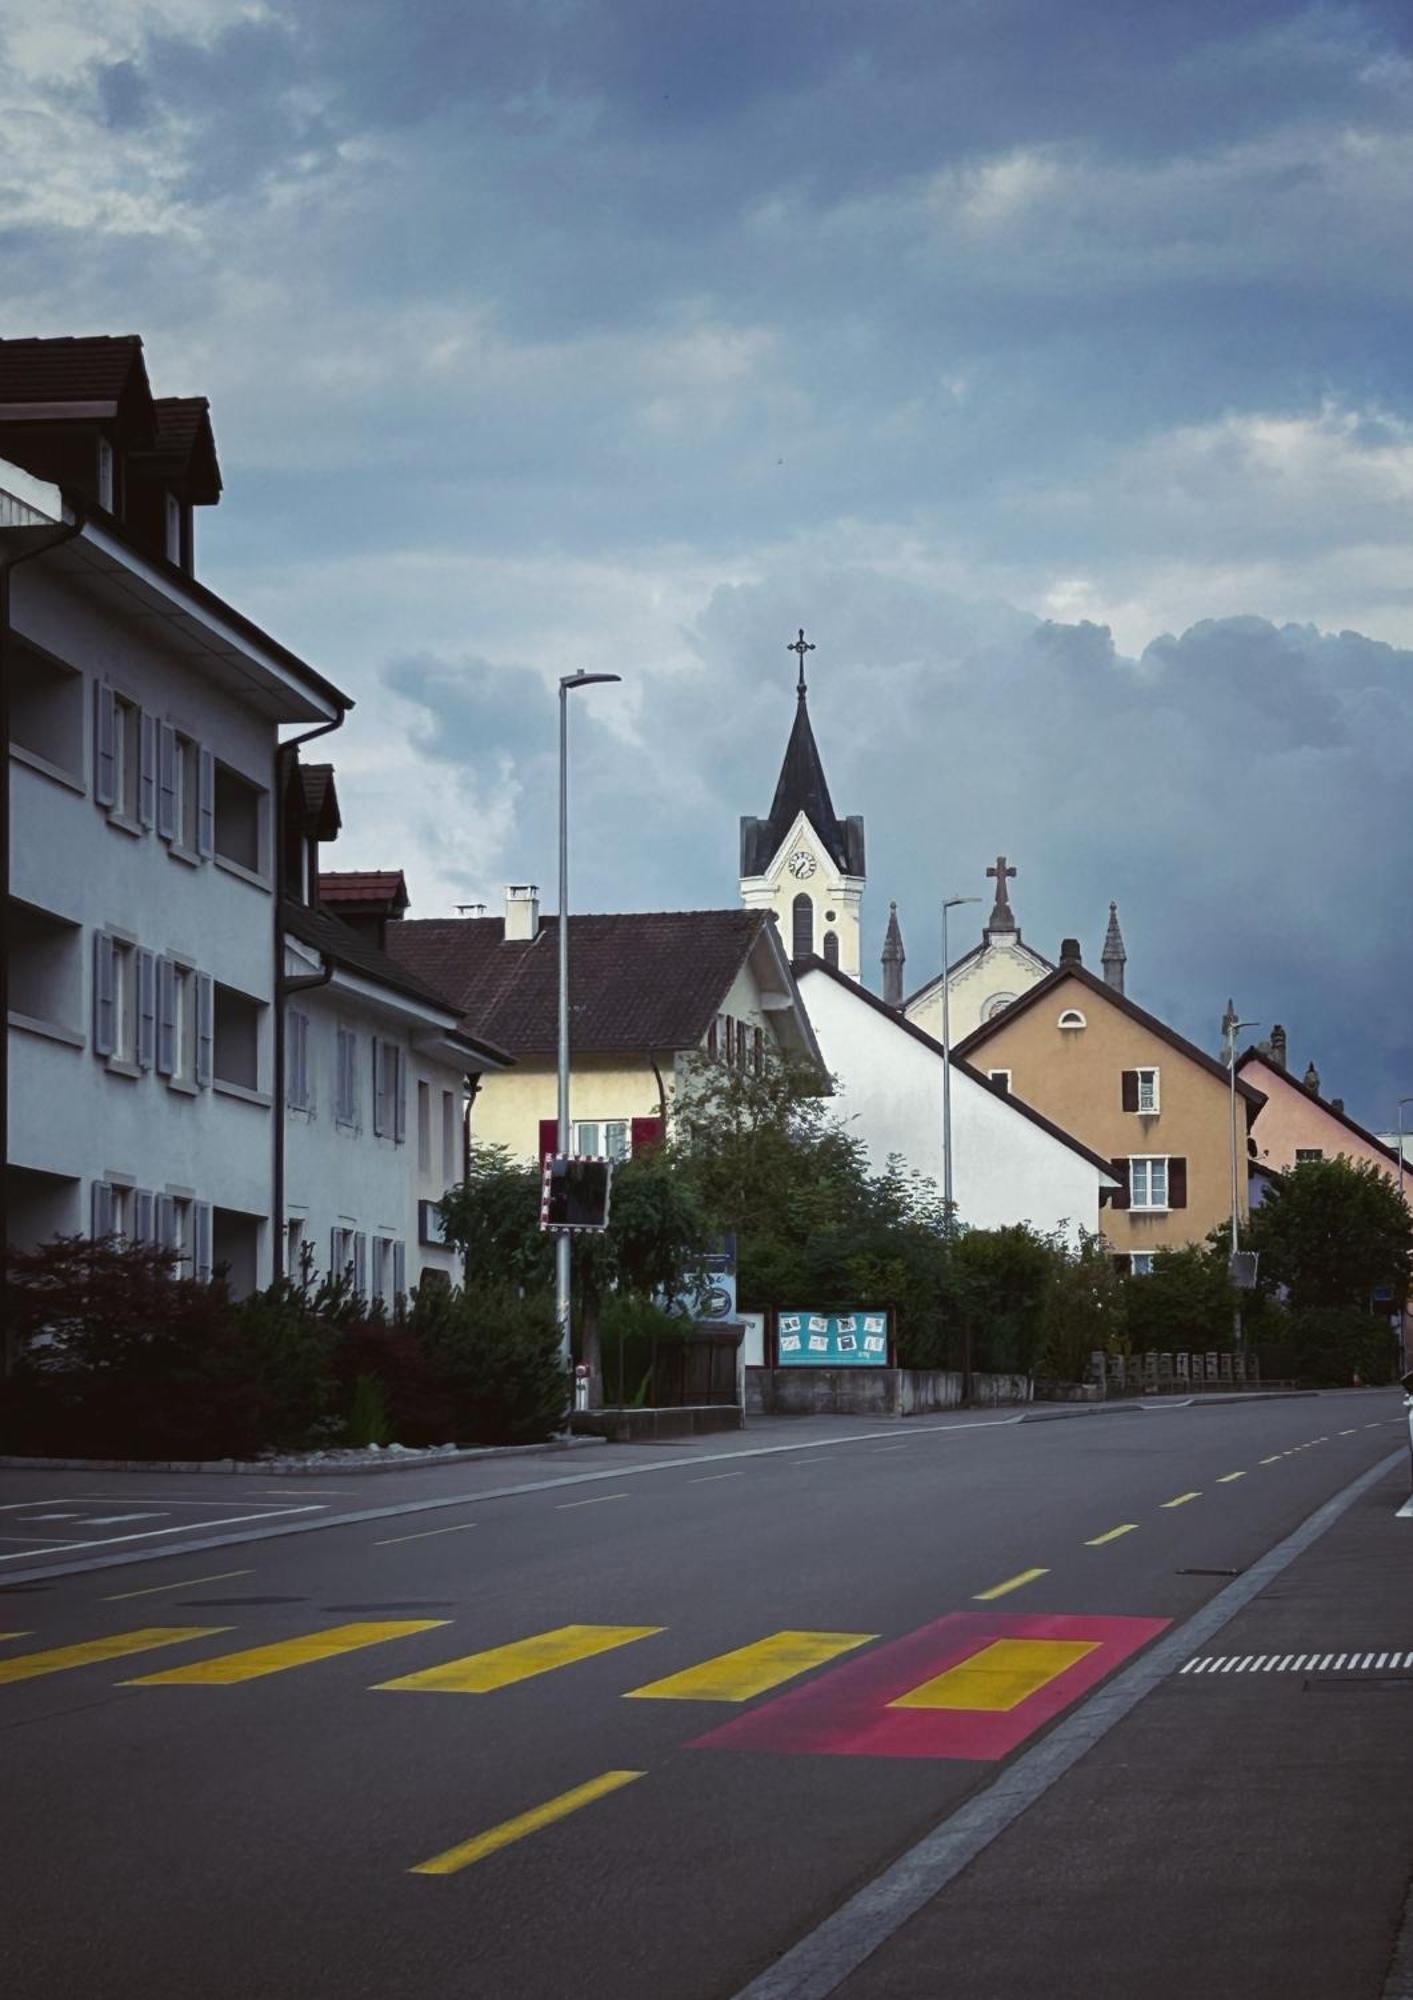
x,y
592,1136
125,1003
424,1126
1306,1156
449,1161
1000,1076
1071,1020
1148,1080
346,1077
1140,1264
1148,1162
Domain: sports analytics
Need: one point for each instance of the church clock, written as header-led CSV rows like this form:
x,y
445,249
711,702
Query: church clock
x,y
801,864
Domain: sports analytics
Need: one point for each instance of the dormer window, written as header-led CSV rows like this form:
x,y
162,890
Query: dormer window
x,y
105,474
172,527
1072,1019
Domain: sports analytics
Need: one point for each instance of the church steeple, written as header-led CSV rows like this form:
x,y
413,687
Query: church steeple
x,y
802,860
1002,917
893,960
1114,956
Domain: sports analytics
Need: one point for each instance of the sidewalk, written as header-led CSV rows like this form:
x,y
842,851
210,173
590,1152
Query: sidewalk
x,y
1246,1831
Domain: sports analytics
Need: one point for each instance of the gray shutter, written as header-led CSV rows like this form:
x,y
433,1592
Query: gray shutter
x,y
167,782
142,1216
335,1247
399,1271
205,804
146,1009
380,1072
201,1241
166,1017
104,998
105,746
147,769
102,1210
205,1027
166,1222
399,1091
360,1263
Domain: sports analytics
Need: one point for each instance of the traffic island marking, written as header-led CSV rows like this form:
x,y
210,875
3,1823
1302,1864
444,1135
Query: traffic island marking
x,y
971,1685
496,1837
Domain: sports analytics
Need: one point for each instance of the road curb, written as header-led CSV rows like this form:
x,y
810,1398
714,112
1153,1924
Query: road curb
x,y
297,1468
1064,1413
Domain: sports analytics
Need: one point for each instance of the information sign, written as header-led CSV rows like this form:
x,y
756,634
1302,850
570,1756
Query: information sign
x,y
832,1340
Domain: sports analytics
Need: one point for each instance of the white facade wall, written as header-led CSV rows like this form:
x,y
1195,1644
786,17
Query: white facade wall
x,y
836,899
1005,1168
74,1115
341,1174
978,988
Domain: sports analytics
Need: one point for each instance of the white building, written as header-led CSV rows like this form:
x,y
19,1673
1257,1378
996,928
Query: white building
x,y
1010,1164
144,720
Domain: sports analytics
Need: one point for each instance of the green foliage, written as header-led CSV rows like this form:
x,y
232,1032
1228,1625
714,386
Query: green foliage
x,y
493,1217
368,1420
1333,1346
632,1330
1085,1311
1186,1303
495,1352
1331,1233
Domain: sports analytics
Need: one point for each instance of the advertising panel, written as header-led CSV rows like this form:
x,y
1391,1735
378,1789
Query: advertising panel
x,y
832,1340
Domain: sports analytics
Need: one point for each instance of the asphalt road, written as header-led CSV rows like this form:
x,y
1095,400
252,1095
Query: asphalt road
x,y
582,1796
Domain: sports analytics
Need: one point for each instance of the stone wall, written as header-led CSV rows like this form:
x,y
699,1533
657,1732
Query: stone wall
x,y
873,1392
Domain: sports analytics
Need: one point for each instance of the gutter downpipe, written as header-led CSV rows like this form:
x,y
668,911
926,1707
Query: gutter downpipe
x,y
282,988
63,534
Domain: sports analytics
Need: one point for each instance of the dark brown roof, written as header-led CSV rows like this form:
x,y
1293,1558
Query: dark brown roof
x,y
386,887
1343,1118
1254,1098
319,800
802,788
337,941
96,368
639,982
184,453
958,1062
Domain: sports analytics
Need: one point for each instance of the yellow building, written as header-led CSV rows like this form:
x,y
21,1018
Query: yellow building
x,y
648,990
1135,1091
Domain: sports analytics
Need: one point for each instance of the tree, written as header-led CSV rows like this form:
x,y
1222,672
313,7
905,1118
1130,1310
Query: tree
x,y
1185,1303
1332,1233
1084,1312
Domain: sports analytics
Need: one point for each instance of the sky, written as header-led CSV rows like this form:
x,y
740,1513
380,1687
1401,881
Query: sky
x,y
1051,365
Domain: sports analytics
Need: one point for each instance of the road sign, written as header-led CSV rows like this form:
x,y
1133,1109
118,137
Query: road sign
x,y
574,1191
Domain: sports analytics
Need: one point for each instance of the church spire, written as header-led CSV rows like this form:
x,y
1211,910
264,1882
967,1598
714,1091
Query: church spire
x,y
893,958
1114,956
1002,917
802,788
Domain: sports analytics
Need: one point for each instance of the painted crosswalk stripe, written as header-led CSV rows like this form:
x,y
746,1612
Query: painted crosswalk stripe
x,y
117,1646
1011,1583
256,1661
496,1837
1000,1677
750,1670
503,1666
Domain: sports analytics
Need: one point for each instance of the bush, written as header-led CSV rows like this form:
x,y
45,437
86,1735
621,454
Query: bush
x,y
1333,1346
495,1354
631,1328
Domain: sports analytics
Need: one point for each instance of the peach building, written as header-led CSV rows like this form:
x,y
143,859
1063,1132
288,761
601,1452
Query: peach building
x,y
1296,1123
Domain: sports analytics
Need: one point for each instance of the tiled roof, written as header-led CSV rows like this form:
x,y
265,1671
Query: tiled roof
x,y
351,885
641,982
185,449
94,368
801,788
320,800
1343,1118
337,941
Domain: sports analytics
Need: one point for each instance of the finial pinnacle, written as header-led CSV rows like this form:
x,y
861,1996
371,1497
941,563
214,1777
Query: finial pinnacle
x,y
801,646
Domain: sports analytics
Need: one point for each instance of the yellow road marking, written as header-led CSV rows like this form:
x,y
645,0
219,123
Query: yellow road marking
x,y
503,1666
1226,1478
752,1669
1274,1458
186,1583
115,1647
1182,1499
422,1534
1098,1541
1011,1583
1001,1676
256,1661
14,1635
597,1501
495,1837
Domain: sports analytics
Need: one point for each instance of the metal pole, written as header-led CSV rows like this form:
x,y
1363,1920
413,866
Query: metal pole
x,y
1233,1028
946,1083
561,1241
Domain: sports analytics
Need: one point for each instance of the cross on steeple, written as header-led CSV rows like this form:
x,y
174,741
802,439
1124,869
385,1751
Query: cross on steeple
x,y
1001,917
801,646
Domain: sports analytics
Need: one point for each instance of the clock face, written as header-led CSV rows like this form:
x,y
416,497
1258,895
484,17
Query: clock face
x,y
801,865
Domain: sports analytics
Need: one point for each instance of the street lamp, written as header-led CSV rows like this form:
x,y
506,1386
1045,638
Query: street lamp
x,y
561,1245
1401,1102
948,1207
1231,1028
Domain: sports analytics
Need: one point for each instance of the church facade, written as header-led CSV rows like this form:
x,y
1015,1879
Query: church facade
x,y
802,862
985,980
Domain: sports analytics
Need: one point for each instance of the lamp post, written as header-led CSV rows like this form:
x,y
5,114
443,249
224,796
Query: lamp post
x,y
948,1205
561,1246
1403,1311
1231,1027
1401,1102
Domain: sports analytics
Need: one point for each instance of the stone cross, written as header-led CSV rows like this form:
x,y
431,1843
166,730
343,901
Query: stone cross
x,y
1001,917
802,645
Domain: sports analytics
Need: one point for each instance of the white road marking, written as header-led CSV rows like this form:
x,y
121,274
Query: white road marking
x,y
182,1528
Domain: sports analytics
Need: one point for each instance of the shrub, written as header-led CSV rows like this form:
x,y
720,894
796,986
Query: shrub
x,y
495,1354
631,1329
1332,1345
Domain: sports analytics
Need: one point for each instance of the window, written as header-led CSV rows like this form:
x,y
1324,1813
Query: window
x,y
120,997
1148,1182
389,1104
294,1247
46,708
299,1084
45,967
1001,1078
997,1004
1140,1091
758,1050
389,1270
424,1127
1140,1264
802,935
346,1077
236,1047
1304,1153
831,948
127,756
172,525
239,819
1072,1018
179,774
609,1138
184,1023
105,474
448,1137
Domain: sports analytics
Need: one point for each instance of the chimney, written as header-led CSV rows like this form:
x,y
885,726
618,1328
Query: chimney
x,y
1337,1104
893,958
1278,1047
522,913
1312,1079
1069,952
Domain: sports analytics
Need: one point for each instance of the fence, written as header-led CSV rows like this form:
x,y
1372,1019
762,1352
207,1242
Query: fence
x,y
1173,1374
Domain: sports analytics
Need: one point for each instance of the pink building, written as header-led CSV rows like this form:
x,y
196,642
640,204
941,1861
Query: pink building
x,y
1296,1123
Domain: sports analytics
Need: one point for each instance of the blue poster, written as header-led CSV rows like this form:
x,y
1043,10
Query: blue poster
x,y
832,1340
